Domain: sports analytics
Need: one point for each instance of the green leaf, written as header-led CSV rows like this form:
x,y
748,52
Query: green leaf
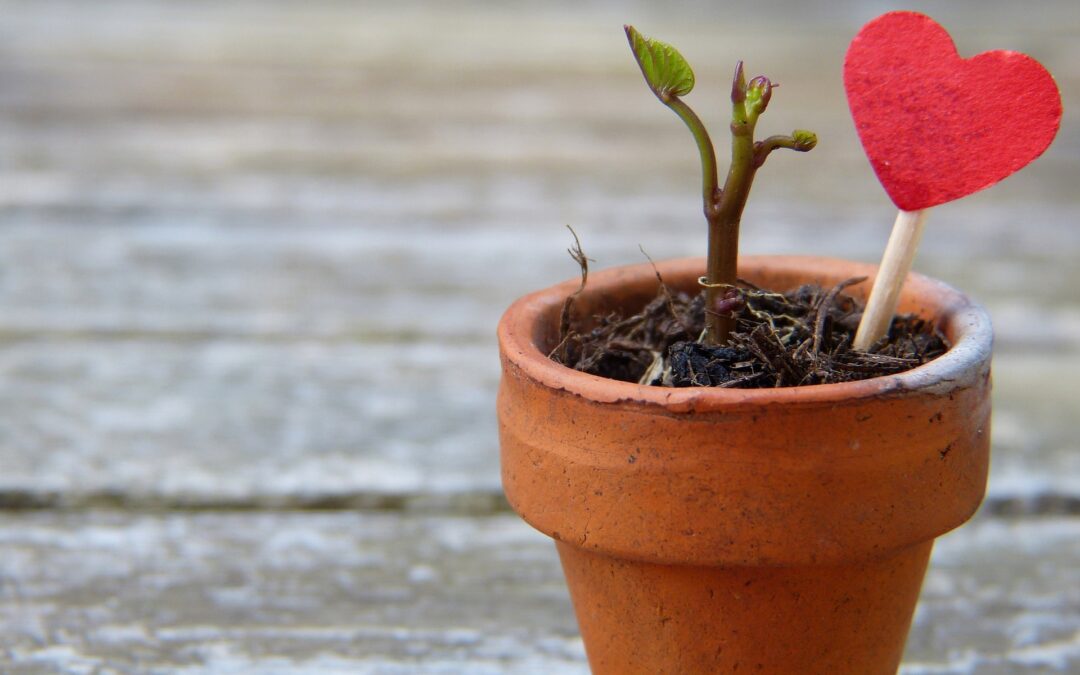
x,y
665,70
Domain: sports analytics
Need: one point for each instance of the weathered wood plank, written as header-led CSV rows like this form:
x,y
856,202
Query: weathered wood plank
x,y
245,422
248,423
252,164
346,592
1001,596
250,249
408,279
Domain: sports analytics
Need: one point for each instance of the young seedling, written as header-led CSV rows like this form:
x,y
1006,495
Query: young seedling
x,y
670,77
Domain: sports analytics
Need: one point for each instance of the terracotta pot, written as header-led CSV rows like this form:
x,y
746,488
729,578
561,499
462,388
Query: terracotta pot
x,y
729,531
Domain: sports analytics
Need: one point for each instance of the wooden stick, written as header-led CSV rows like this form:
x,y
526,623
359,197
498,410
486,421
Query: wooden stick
x,y
895,265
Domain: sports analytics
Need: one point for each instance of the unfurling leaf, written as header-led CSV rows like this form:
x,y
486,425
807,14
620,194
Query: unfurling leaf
x,y
804,140
665,70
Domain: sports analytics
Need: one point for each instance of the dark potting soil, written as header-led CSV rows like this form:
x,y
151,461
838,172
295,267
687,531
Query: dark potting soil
x,y
799,337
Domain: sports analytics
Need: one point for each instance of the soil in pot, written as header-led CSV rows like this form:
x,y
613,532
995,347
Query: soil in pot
x,y
800,337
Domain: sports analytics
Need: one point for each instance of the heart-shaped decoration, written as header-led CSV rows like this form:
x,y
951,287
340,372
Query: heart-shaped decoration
x,y
938,127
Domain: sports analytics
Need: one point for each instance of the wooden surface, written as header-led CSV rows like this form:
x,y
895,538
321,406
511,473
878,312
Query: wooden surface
x,y
251,259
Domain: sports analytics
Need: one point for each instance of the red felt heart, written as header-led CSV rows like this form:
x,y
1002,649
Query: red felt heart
x,y
937,127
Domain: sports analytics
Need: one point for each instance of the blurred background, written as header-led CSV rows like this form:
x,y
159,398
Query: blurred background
x,y
252,255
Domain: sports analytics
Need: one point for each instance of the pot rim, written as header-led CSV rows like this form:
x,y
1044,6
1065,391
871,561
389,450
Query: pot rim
x,y
966,320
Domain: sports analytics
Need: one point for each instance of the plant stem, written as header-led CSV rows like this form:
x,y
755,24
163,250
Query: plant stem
x,y
726,213
709,180
723,210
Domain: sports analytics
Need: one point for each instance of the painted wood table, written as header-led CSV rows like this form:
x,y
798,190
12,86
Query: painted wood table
x,y
251,259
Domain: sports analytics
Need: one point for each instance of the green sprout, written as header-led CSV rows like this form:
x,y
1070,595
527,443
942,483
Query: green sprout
x,y
670,77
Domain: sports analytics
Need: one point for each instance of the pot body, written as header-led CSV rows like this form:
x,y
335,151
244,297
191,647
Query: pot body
x,y
765,531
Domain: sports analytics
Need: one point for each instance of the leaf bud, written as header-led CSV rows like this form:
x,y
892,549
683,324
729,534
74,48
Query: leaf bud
x,y
738,84
758,93
804,140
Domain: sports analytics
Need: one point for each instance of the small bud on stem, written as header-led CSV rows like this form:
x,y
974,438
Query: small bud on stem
x,y
758,93
738,84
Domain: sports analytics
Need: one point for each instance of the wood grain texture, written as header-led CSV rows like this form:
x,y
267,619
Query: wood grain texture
x,y
252,255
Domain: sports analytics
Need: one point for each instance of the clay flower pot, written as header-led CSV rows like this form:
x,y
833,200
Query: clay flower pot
x,y
728,531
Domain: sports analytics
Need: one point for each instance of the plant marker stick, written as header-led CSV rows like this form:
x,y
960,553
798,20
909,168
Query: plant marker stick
x,y
895,265
937,127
